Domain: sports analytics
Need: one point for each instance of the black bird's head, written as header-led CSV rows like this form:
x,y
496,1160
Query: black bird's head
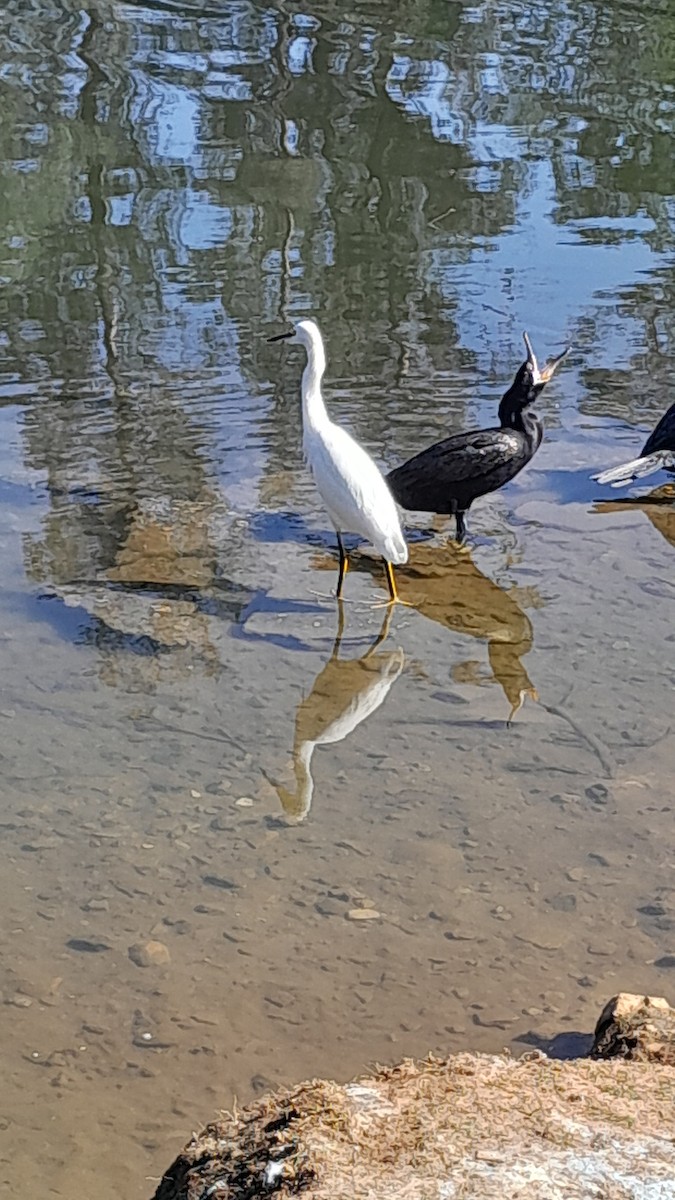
x,y
530,380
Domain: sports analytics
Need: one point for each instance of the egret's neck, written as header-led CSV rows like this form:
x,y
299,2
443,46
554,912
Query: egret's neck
x,y
314,413
304,784
297,804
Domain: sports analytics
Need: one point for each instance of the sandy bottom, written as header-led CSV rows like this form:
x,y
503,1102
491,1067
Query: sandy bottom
x,y
343,862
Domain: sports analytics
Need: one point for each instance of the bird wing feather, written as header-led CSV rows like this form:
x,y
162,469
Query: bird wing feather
x,y
462,457
354,491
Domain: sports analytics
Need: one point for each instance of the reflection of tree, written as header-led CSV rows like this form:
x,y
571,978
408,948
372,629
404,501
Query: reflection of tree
x,y
641,392
152,595
173,184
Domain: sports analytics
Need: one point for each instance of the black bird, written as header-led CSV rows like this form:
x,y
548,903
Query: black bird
x,y
448,476
658,451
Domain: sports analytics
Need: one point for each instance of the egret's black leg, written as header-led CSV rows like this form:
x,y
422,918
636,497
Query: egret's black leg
x,y
340,630
344,564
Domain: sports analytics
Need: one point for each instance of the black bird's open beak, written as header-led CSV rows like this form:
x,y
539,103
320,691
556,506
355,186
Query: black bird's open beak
x,y
280,337
546,373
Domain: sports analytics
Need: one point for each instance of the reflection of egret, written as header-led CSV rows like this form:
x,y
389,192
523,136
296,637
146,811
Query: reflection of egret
x,y
659,506
352,486
448,476
344,693
657,452
445,585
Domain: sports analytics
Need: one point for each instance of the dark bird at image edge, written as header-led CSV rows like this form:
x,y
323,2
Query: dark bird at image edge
x,y
658,451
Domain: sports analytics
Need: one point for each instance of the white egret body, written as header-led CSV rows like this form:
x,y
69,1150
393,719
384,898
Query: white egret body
x,y
351,485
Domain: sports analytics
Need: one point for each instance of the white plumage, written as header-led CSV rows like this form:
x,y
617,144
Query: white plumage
x,y
350,483
353,489
637,468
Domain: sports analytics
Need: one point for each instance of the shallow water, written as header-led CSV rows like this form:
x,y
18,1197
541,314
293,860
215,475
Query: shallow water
x,y
187,757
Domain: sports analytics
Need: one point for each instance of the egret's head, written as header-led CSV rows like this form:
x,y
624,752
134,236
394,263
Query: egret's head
x,y
304,332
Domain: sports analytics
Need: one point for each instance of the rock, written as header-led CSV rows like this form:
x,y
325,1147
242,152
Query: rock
x,y
641,1028
219,881
597,793
575,874
149,954
483,1126
83,946
363,914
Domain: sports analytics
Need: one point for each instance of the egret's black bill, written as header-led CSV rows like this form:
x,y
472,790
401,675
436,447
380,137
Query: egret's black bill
x,y
279,337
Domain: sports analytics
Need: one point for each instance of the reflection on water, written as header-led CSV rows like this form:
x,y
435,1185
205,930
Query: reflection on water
x,y
178,180
658,506
444,584
344,693
154,588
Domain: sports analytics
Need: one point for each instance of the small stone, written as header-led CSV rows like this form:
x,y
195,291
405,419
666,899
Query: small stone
x,y
597,793
604,949
96,904
147,845
219,882
244,802
363,914
666,962
195,794
575,874
20,1001
83,946
600,859
179,926
149,954
563,902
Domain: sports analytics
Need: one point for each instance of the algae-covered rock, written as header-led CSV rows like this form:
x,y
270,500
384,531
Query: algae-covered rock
x,y
641,1028
470,1127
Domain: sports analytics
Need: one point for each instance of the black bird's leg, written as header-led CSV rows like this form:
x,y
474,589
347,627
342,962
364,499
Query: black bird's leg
x,y
461,527
344,564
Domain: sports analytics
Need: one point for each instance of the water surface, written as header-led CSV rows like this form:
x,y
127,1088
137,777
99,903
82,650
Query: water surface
x,y
188,757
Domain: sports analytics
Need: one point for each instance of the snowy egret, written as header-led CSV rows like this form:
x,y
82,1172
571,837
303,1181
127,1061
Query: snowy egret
x,y
658,451
351,485
448,476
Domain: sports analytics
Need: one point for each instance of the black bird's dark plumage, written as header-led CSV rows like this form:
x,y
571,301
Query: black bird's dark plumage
x,y
448,476
663,436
